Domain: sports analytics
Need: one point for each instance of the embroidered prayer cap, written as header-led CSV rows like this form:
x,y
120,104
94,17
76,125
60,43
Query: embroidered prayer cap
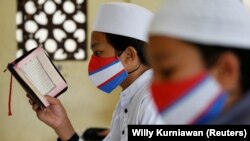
x,y
212,22
124,19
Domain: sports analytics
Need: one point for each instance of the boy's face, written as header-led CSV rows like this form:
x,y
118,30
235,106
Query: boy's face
x,y
100,46
173,60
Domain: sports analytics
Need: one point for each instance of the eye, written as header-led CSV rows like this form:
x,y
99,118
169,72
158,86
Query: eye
x,y
167,73
97,53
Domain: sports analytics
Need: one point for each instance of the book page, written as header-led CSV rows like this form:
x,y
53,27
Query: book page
x,y
35,73
37,70
50,69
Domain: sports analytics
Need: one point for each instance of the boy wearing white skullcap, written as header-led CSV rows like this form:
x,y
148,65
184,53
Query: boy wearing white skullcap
x,y
118,40
199,50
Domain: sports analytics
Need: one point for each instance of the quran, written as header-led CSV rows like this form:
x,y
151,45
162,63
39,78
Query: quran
x,y
38,76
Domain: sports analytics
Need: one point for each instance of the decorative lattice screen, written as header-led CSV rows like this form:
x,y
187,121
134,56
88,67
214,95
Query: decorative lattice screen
x,y
58,25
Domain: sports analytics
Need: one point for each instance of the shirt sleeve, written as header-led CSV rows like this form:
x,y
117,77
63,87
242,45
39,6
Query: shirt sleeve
x,y
75,137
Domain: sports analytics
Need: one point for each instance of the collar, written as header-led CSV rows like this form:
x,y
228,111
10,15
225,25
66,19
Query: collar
x,y
237,114
127,94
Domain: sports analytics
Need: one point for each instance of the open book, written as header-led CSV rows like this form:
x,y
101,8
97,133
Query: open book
x,y
37,74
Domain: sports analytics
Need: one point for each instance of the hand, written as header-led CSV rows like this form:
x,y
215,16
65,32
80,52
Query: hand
x,y
55,116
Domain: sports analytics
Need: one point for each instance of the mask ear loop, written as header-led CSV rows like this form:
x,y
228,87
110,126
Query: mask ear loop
x,y
120,53
135,69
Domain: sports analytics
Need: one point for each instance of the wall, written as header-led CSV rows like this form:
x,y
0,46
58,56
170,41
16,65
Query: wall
x,y
86,106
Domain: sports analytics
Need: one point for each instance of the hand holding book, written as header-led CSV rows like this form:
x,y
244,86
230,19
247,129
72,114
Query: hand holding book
x,y
55,116
37,74
39,77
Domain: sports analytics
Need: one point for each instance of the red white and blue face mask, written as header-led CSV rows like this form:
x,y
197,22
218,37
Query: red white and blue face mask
x,y
106,73
197,100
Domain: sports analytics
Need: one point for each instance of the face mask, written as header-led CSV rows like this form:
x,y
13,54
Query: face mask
x,y
106,73
193,101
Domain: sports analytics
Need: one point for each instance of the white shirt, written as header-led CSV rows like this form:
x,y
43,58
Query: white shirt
x,y
134,107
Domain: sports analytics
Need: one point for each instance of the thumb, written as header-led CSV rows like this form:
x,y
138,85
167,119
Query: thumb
x,y
52,100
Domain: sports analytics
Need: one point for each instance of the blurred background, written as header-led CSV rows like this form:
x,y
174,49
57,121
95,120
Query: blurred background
x,y
85,104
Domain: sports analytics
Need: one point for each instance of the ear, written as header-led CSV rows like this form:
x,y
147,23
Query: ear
x,y
227,71
129,58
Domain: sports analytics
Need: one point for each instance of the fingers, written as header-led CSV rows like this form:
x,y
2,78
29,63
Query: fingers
x,y
31,102
52,100
27,96
35,107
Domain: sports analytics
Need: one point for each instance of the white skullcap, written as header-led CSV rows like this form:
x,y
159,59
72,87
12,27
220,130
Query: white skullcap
x,y
124,19
212,22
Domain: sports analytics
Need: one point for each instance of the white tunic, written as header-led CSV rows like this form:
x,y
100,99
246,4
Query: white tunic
x,y
134,107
